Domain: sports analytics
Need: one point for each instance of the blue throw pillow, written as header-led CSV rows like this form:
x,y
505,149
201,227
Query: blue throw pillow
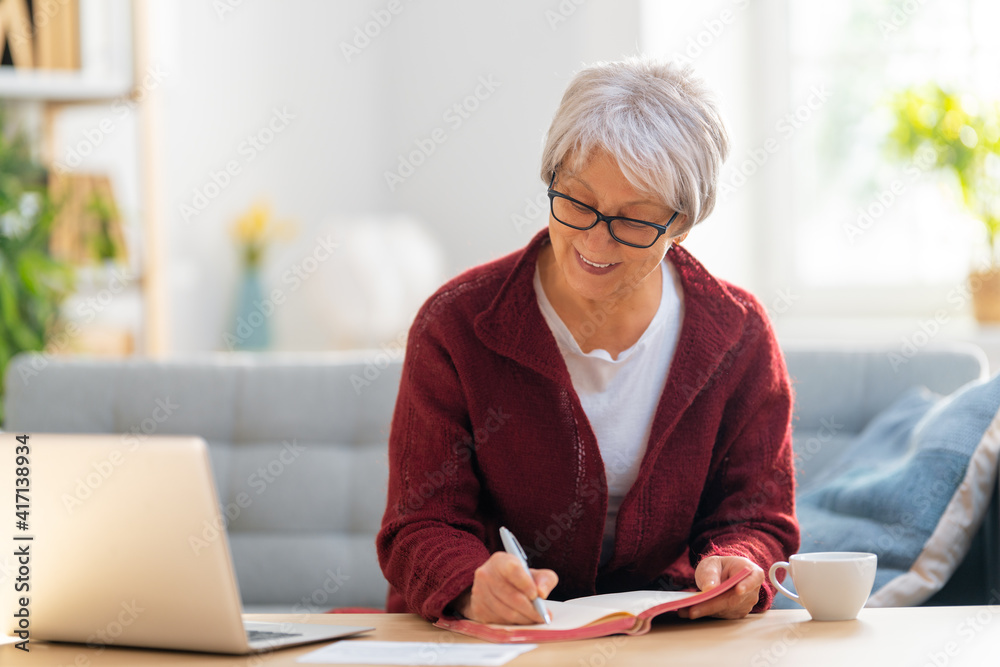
x,y
907,469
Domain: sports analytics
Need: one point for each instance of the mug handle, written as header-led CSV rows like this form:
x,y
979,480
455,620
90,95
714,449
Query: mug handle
x,y
781,565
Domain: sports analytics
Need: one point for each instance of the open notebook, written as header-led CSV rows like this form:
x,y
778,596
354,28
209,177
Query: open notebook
x,y
629,613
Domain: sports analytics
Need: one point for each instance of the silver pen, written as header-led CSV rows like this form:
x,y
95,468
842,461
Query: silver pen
x,y
513,547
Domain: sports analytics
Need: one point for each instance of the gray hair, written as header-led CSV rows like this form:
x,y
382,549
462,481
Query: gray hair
x,y
656,119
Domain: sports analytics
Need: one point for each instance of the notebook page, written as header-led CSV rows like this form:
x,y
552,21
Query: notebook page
x,y
567,616
634,602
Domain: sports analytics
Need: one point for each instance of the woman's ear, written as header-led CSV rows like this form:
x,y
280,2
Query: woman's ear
x,y
678,223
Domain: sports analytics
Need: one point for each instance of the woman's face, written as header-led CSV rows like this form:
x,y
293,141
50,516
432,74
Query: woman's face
x,y
593,265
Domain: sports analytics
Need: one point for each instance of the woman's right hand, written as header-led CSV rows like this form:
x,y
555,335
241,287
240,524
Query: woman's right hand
x,y
502,592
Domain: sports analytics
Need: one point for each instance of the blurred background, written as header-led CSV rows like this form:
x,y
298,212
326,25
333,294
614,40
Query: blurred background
x,y
187,176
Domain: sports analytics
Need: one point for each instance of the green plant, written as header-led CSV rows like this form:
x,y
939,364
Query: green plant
x,y
959,134
32,282
102,245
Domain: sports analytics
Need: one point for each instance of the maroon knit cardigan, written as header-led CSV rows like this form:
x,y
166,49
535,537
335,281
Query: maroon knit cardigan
x,y
488,431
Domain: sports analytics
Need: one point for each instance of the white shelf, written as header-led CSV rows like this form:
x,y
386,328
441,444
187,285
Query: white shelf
x,y
105,60
60,86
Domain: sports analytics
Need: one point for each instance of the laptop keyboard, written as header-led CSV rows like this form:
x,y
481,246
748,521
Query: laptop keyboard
x,y
261,635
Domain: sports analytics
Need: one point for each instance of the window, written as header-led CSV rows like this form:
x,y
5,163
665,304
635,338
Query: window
x,y
862,225
817,208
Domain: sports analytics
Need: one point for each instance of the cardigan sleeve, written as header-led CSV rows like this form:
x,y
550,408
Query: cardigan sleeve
x,y
430,542
747,507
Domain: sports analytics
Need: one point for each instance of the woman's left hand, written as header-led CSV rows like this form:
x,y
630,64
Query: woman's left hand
x,y
734,603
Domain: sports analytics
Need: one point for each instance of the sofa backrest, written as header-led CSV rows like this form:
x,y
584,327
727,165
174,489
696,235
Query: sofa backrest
x,y
298,447
304,438
839,389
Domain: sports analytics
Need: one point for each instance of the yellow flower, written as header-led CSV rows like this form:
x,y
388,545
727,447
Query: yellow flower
x,y
255,229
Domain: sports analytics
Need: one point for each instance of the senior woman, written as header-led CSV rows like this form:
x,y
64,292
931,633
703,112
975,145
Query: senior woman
x,y
598,392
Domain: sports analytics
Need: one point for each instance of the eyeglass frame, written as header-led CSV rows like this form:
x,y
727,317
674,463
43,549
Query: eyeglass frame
x,y
661,229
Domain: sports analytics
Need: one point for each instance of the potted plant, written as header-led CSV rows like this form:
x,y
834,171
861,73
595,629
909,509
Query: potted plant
x,y
32,282
961,135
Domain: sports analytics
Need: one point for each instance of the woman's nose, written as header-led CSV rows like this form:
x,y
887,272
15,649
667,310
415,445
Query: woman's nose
x,y
599,237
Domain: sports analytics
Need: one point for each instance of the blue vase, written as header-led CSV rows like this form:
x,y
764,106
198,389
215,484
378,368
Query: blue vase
x,y
252,326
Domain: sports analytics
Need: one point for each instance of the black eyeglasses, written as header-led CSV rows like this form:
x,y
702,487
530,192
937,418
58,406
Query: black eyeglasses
x,y
627,231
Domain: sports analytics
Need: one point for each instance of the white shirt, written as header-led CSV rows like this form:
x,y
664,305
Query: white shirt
x,y
620,396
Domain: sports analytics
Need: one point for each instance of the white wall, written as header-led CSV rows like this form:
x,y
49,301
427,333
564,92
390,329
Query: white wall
x,y
487,172
352,121
220,76
477,195
716,37
231,77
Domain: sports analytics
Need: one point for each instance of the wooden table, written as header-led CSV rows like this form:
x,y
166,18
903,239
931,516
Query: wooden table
x,y
918,636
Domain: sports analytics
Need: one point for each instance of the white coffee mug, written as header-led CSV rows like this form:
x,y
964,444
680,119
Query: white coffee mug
x,y
831,585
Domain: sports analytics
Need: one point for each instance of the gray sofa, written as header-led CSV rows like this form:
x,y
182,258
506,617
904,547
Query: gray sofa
x,y
838,390
306,542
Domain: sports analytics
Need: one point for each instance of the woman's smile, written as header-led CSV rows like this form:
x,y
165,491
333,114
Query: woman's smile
x,y
597,268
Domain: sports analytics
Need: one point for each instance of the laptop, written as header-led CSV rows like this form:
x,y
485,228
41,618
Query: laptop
x,y
127,547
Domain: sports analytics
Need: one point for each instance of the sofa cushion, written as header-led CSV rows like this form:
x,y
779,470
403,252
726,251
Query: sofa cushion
x,y
913,488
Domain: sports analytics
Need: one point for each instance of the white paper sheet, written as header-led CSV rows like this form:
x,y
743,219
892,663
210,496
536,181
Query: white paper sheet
x,y
352,652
